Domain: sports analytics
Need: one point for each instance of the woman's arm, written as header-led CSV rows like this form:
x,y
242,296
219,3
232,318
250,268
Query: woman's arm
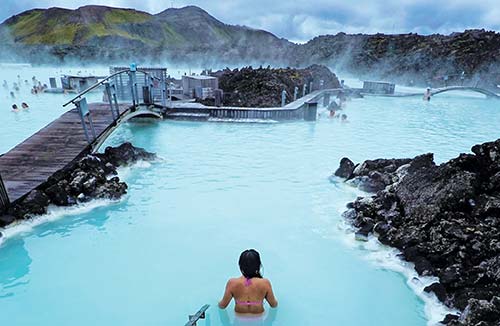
x,y
271,299
226,299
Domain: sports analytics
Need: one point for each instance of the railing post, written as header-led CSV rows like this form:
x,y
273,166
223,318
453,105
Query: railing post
x,y
151,89
132,88
310,87
107,89
326,99
295,93
311,111
146,95
115,99
4,197
133,84
283,98
304,89
163,93
83,110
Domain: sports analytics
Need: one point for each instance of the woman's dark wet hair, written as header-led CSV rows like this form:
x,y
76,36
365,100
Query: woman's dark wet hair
x,y
250,263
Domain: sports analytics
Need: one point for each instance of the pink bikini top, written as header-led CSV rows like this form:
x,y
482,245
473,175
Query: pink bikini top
x,y
248,282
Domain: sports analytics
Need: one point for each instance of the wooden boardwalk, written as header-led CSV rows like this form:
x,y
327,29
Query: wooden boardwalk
x,y
31,163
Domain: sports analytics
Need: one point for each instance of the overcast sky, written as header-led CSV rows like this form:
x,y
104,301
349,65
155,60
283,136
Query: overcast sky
x,y
300,20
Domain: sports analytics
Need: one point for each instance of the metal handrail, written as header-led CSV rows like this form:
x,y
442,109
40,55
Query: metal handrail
x,y
193,319
102,83
4,196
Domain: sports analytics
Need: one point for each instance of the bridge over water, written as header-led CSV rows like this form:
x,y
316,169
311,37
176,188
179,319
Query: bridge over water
x,y
84,128
437,91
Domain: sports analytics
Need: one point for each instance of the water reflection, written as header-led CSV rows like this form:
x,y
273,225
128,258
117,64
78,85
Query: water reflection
x,y
15,264
267,319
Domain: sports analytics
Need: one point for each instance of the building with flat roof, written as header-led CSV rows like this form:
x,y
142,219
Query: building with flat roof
x,y
373,87
200,86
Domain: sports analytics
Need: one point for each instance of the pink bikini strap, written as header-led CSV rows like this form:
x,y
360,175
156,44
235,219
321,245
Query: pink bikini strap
x,y
248,282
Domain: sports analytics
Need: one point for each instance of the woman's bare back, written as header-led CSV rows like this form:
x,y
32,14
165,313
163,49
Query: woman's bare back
x,y
249,294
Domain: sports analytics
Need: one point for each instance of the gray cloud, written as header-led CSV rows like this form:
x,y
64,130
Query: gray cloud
x,y
301,20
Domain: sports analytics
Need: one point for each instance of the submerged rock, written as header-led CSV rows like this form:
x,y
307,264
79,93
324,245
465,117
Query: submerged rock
x,y
86,179
444,219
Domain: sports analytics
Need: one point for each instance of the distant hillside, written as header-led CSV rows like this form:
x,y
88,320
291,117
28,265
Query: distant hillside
x,y
409,56
108,34
98,34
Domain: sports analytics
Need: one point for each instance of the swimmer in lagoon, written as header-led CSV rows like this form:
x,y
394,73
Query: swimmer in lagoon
x,y
427,94
24,105
344,118
15,108
250,289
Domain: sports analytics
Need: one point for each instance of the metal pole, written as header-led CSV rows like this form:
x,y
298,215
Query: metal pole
x,y
326,99
304,89
4,197
115,100
295,93
131,84
310,87
82,119
91,126
110,99
163,93
311,111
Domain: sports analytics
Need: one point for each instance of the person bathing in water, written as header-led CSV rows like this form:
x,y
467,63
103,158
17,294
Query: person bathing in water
x,y
250,289
427,94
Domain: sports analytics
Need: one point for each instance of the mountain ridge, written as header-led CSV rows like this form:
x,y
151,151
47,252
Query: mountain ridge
x,y
190,35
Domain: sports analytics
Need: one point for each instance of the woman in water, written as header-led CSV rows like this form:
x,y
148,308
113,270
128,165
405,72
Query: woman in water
x,y
250,289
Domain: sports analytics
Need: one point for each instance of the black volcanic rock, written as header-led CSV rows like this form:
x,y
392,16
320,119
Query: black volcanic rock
x,y
345,169
262,87
445,219
87,178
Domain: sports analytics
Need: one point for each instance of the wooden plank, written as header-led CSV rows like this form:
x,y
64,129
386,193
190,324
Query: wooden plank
x,y
32,162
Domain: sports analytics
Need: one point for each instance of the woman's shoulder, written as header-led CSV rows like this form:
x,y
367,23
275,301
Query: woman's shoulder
x,y
263,281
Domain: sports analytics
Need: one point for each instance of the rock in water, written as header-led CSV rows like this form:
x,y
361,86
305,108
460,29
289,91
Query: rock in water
x,y
124,154
444,218
345,169
86,179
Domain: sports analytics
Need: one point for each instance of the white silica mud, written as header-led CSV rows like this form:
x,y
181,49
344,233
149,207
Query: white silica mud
x,y
169,246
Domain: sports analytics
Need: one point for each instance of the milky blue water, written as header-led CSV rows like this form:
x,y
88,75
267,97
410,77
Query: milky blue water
x,y
171,244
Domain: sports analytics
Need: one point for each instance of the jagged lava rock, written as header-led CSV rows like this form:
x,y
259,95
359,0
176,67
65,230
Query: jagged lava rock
x,y
445,219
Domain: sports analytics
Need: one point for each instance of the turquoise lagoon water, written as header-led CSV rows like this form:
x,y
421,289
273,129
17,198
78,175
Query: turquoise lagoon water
x,y
170,245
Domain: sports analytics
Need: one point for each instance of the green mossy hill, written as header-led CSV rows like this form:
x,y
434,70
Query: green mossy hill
x,y
189,28
57,26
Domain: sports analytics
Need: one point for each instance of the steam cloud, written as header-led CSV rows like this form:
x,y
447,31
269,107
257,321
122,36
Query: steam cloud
x,y
300,20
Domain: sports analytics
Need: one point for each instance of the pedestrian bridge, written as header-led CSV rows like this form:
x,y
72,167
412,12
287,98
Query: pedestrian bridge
x,y
436,91
483,91
84,128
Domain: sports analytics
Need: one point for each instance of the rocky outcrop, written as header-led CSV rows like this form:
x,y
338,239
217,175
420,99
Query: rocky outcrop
x,y
92,177
471,57
262,87
443,218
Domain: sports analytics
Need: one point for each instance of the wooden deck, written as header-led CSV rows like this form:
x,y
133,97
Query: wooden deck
x,y
31,163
